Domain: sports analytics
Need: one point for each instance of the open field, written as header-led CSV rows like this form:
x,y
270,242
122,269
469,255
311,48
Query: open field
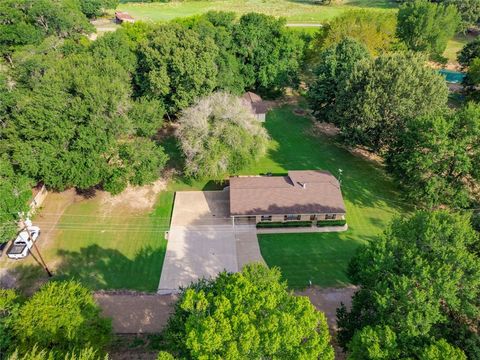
x,y
111,244
294,10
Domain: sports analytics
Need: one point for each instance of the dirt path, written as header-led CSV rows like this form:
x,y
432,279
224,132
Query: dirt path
x,y
148,313
136,313
328,300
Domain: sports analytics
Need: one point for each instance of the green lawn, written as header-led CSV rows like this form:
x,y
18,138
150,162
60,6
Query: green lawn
x,y
370,198
455,45
125,249
294,10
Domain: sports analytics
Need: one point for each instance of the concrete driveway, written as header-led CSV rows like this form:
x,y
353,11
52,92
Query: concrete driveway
x,y
201,241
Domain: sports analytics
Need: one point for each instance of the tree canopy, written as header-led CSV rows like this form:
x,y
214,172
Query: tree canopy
x,y
334,67
436,158
219,135
61,316
15,191
469,52
270,53
419,283
375,101
249,314
374,29
24,22
177,66
72,128
425,26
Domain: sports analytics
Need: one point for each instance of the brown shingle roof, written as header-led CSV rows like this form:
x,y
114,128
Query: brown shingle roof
x,y
301,192
256,103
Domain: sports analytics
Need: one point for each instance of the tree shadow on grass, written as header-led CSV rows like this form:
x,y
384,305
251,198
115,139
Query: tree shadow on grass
x,y
363,183
100,268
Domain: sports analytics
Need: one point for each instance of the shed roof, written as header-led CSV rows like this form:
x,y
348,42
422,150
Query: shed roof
x,y
300,192
256,103
123,16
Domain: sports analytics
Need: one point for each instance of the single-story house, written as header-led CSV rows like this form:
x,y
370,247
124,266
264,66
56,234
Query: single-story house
x,y
304,195
257,105
121,17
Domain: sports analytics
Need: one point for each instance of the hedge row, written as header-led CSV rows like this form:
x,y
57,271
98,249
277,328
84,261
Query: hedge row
x,y
284,224
331,223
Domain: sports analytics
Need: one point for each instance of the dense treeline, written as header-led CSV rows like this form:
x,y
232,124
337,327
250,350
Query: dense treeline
x,y
388,99
419,290
77,113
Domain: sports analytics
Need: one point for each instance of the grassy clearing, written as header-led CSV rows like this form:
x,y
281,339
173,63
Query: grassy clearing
x,y
455,45
294,10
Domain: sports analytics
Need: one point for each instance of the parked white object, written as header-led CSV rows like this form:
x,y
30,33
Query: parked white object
x,y
22,244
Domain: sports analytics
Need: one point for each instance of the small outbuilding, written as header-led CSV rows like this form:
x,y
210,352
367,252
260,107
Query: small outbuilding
x,y
121,17
257,105
304,195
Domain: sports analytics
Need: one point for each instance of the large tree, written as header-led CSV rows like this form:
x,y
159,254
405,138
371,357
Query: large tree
x,y
437,158
334,66
219,26
426,26
469,11
15,191
25,22
419,283
249,314
219,135
176,66
469,52
73,129
472,80
62,316
378,97
271,54
376,30
94,8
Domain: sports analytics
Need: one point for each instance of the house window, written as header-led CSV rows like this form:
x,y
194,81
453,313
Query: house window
x,y
330,216
291,217
313,217
266,217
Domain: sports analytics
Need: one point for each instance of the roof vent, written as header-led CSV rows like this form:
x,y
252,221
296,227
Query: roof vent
x,y
304,185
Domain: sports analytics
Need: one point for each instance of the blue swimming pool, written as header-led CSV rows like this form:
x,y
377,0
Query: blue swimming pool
x,y
453,77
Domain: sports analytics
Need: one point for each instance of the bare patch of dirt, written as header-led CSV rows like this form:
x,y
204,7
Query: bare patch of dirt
x,y
324,128
133,198
134,313
327,300
367,155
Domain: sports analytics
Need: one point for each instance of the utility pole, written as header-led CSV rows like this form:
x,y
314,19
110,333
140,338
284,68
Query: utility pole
x,y
36,248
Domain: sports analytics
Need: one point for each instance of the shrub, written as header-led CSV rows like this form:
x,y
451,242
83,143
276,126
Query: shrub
x,y
323,223
284,224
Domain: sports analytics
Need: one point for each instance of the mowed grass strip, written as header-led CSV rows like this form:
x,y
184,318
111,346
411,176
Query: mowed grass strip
x,y
294,11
